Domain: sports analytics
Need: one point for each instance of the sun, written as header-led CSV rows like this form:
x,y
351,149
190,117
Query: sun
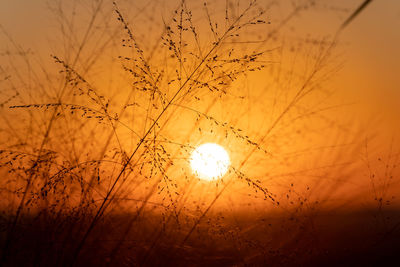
x,y
209,161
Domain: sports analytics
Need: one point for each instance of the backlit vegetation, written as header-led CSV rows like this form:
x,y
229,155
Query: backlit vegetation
x,y
97,137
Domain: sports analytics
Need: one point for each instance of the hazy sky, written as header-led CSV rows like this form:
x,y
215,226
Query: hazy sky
x,y
371,41
369,46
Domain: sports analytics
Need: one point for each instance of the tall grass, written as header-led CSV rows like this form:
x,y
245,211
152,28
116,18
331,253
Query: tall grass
x,y
97,143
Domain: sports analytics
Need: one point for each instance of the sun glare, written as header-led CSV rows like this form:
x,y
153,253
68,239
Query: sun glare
x,y
209,161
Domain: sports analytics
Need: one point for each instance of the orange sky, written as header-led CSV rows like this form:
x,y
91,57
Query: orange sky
x,y
368,46
368,81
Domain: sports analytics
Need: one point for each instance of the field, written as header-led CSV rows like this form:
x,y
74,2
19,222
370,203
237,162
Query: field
x,y
103,103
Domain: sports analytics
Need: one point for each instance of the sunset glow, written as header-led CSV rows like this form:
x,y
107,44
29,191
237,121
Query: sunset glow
x,y
199,133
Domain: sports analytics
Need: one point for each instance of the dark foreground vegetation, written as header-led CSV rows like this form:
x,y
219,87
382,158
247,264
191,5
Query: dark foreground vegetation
x,y
327,239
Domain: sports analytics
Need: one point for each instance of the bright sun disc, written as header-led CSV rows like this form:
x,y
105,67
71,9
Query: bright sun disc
x,y
209,161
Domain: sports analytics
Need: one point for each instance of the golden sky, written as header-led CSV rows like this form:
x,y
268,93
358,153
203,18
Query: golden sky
x,y
364,77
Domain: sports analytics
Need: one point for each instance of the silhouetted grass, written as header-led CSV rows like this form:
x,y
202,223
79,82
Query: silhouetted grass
x,y
97,144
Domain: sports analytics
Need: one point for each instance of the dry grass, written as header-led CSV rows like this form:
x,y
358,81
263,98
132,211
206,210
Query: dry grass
x,y
96,143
